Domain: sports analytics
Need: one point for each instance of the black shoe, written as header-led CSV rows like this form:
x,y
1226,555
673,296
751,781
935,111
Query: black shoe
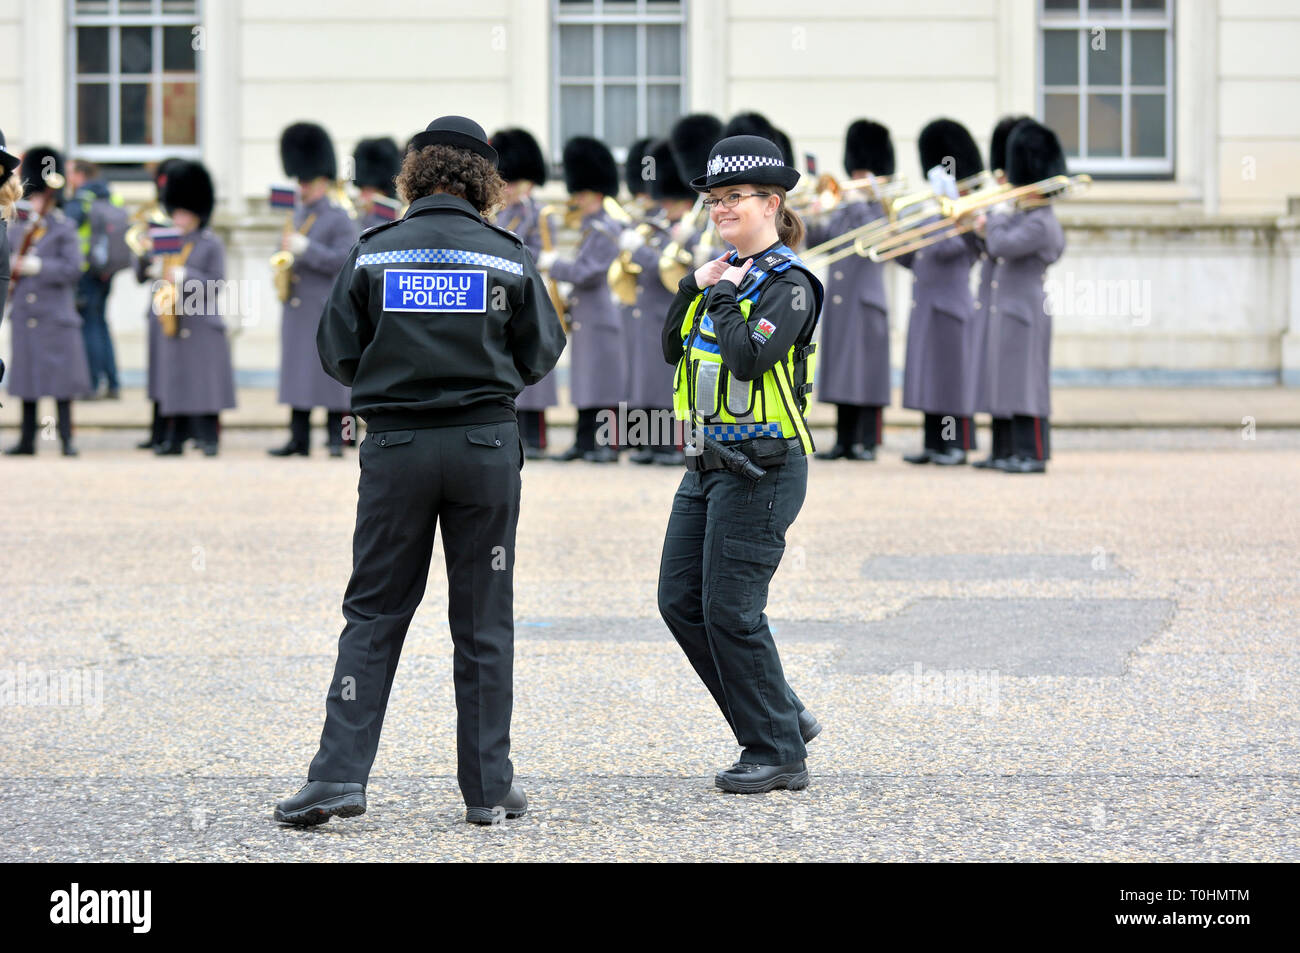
x,y
601,455
670,458
209,449
317,801
809,726
573,453
336,449
169,449
514,805
70,450
146,444
745,778
860,451
991,463
925,456
949,458
290,449
534,453
644,456
113,394
1025,465
836,452
21,450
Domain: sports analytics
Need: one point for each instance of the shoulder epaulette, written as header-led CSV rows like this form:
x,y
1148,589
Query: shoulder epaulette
x,y
515,239
374,229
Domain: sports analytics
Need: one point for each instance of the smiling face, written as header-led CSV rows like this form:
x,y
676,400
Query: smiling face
x,y
750,220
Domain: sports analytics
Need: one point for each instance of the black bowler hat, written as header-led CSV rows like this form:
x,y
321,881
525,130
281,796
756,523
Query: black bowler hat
x,y
752,160
8,161
459,132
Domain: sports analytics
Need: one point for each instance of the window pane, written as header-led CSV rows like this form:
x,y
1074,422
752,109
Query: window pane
x,y
620,116
1105,57
1148,66
1148,6
1061,113
620,50
577,112
577,51
1105,115
1062,6
1105,6
135,6
663,50
179,6
92,7
137,49
1147,132
178,49
180,113
663,108
137,114
1060,58
92,49
92,113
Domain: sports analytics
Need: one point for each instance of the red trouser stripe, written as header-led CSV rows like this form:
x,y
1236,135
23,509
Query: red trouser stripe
x,y
1038,436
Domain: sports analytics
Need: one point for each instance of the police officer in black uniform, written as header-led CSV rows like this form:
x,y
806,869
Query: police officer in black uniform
x,y
436,322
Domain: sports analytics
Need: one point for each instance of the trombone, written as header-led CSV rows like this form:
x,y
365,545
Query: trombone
x,y
957,216
829,192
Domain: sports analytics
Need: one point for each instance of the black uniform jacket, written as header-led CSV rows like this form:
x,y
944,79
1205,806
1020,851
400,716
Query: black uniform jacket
x,y
438,318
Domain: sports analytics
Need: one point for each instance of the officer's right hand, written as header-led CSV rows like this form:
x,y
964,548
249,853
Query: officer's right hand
x,y
708,273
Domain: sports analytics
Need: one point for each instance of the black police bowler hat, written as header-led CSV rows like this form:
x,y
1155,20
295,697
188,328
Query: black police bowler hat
x,y
456,131
752,160
8,161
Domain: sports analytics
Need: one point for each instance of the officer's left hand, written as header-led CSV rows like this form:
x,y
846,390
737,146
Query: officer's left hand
x,y
735,274
297,243
28,265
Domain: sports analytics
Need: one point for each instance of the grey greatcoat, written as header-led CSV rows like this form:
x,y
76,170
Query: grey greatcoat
x,y
4,259
153,332
1018,362
650,380
942,368
303,382
49,353
523,218
598,368
195,375
853,355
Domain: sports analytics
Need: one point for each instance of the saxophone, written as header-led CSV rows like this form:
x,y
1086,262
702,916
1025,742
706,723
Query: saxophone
x,y
166,297
282,261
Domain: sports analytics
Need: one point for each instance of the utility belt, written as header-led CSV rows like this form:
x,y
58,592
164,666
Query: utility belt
x,y
762,452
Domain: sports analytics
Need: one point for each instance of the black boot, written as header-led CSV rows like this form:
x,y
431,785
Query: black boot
x,y
334,432
317,801
65,427
514,804
206,428
156,431
745,778
26,445
809,726
299,436
171,445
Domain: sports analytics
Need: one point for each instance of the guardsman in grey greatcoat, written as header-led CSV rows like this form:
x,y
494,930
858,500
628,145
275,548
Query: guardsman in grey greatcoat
x,y
598,368
49,354
651,381
10,192
523,167
319,240
195,378
1021,244
141,265
942,368
853,373
636,176
1001,429
375,164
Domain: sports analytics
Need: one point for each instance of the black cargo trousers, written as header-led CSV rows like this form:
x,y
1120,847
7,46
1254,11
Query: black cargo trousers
x,y
725,538
466,477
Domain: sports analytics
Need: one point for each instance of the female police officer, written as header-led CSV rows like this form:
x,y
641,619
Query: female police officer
x,y
739,331
436,322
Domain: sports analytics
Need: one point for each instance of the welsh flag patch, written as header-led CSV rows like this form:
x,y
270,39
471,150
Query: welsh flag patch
x,y
765,328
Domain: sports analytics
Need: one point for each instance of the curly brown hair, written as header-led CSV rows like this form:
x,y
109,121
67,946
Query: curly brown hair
x,y
455,171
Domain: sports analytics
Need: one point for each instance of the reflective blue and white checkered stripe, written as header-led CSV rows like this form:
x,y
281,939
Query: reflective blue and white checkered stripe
x,y
725,432
440,256
720,163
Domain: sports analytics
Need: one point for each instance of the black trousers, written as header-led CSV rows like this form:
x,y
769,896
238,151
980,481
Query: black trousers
x,y
467,478
532,427
27,429
724,541
300,427
1002,443
961,430
856,423
1031,437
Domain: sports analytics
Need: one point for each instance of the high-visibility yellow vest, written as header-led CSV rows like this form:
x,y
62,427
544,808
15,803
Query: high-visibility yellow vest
x,y
707,395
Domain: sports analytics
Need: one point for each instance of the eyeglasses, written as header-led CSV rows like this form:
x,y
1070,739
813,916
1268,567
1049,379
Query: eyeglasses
x,y
732,199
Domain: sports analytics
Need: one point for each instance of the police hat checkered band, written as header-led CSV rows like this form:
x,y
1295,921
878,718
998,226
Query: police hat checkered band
x,y
441,256
727,432
720,163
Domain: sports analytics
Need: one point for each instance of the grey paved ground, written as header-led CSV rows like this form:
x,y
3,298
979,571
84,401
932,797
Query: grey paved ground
x,y
1098,664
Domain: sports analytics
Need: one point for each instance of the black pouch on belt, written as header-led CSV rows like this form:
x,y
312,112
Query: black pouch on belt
x,y
769,451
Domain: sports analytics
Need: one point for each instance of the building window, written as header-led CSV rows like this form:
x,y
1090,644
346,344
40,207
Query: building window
x,y
1106,83
133,96
619,68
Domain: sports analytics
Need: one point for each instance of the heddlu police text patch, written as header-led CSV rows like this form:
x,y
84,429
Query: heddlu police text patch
x,y
418,289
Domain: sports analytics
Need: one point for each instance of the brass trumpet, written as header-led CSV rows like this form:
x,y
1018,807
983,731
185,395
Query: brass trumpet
x,y
829,192
958,218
